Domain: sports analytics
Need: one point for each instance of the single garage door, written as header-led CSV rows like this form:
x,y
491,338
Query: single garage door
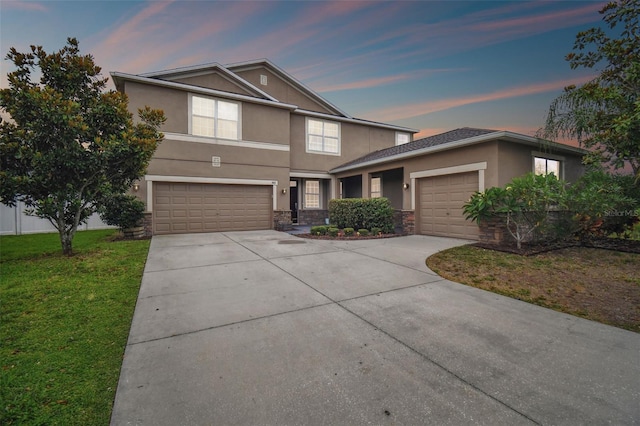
x,y
200,207
440,201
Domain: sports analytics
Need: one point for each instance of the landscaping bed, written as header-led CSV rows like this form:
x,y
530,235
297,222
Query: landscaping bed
x,y
594,283
343,237
529,249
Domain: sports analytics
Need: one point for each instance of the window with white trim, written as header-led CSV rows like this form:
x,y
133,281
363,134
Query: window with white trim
x,y
376,187
214,118
545,166
323,136
402,138
312,194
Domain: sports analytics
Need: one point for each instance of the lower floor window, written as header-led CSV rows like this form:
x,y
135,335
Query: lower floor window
x,y
376,188
545,166
312,194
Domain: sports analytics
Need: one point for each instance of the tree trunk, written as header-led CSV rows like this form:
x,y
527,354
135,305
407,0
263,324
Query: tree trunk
x,y
66,242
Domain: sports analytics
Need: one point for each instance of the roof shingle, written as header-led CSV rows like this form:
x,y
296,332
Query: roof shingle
x,y
441,139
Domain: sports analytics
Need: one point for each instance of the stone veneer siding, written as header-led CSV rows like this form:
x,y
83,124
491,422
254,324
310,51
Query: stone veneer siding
x,y
408,222
492,230
312,217
282,220
147,223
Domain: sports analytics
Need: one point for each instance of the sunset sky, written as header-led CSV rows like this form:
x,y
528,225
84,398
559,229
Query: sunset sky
x,y
429,65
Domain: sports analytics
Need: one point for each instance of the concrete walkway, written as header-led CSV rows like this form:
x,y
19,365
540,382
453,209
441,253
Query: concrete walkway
x,y
265,328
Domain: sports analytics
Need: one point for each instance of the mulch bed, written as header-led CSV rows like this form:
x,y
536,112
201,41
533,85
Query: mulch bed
x,y
345,238
530,249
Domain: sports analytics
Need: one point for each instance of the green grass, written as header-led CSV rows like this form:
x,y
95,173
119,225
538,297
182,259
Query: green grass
x,y
64,323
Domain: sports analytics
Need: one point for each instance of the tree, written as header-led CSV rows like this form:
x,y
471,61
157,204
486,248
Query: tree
x,y
604,113
70,143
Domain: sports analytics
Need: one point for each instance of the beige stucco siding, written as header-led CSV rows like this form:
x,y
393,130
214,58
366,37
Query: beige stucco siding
x,y
486,152
262,123
281,90
355,141
179,158
213,81
173,102
517,159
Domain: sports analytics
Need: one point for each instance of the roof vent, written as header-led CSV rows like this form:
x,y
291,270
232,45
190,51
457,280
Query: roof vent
x,y
263,79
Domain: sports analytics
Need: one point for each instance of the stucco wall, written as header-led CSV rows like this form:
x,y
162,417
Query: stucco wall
x,y
517,159
262,123
355,141
472,154
172,102
281,90
214,81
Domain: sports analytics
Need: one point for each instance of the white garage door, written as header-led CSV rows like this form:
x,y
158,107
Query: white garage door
x,y
440,201
200,207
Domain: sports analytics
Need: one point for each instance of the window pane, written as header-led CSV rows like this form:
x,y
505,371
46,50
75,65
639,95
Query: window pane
x,y
227,129
375,187
331,145
315,143
227,111
312,194
331,130
203,106
202,126
553,166
540,166
315,127
402,138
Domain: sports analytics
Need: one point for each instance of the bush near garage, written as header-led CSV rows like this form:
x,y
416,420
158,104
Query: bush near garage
x,y
362,213
538,208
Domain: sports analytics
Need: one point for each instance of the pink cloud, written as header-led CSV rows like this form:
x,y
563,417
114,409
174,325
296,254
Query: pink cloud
x,y
160,44
424,108
378,81
542,22
25,5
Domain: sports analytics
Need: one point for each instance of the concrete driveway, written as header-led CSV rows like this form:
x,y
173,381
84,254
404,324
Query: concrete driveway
x,y
265,328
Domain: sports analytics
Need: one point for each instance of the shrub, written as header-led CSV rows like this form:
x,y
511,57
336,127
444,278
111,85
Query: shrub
x,y
121,210
603,203
363,232
333,232
319,230
376,231
525,203
535,206
348,231
362,213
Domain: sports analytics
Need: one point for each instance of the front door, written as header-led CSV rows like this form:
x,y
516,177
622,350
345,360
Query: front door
x,y
293,200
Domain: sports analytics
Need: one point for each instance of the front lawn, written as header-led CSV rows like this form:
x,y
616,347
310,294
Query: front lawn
x,y
64,324
600,285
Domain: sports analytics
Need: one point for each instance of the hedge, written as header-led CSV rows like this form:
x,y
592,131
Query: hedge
x,y
362,213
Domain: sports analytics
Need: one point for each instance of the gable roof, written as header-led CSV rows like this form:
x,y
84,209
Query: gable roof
x,y
214,67
310,93
170,79
444,141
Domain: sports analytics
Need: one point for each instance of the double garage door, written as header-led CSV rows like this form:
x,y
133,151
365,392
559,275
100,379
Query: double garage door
x,y
199,207
440,202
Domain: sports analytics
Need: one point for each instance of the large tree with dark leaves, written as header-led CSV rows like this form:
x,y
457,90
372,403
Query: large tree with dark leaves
x,y
604,113
70,143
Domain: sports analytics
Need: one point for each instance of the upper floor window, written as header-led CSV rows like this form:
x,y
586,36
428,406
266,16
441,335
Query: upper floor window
x,y
323,136
545,166
214,118
402,138
376,187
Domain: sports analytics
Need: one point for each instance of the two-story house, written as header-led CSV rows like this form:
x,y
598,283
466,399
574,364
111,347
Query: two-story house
x,y
247,147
